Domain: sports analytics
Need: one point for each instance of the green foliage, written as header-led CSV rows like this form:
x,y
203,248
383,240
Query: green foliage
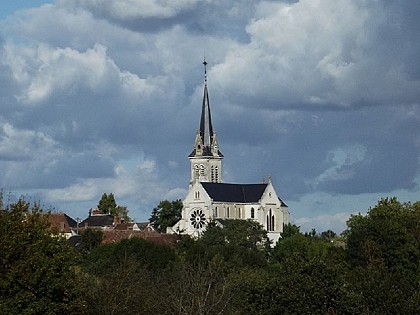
x,y
242,233
107,204
90,239
105,258
197,288
289,230
231,269
387,236
36,267
127,289
298,247
239,242
383,247
166,214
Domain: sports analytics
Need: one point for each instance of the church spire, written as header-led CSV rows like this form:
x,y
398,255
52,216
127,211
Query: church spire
x,y
206,127
206,159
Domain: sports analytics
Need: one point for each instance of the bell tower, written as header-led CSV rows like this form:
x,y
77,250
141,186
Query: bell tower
x,y
206,158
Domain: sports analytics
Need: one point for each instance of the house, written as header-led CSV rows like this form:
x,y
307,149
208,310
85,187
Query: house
x,y
99,220
63,224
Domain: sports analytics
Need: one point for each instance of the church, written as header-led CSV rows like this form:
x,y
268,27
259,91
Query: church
x,y
209,198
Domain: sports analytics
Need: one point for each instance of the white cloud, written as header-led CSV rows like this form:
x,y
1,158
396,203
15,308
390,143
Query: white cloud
x,y
67,71
335,222
16,144
315,53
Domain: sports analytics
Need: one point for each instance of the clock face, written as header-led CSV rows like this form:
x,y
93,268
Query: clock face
x,y
198,218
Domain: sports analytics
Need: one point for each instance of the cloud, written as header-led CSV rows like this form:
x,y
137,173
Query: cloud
x,y
21,144
335,222
48,72
99,96
131,9
342,160
320,54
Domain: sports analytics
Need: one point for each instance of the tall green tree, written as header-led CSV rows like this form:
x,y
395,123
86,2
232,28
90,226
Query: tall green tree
x,y
36,267
383,248
166,214
387,235
108,205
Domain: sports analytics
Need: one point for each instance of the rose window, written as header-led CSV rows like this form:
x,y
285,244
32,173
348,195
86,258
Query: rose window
x,y
198,219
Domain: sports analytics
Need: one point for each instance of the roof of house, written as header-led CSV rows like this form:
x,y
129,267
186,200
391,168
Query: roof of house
x,y
242,193
124,226
97,221
113,236
61,222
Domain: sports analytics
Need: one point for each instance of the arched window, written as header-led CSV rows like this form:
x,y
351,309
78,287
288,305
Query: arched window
x,y
252,213
202,169
270,221
196,170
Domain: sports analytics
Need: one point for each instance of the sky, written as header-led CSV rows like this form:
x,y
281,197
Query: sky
x,y
102,96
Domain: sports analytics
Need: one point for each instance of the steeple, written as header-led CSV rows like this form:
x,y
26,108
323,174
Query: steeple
x,y
206,157
206,128
206,142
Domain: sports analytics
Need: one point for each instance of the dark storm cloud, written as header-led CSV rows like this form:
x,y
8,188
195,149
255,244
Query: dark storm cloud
x,y
217,18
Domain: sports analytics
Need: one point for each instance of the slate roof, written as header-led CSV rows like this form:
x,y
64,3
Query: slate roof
x,y
282,203
241,193
206,152
97,221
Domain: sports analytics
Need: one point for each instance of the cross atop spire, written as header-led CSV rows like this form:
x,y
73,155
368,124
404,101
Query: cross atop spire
x,y
205,70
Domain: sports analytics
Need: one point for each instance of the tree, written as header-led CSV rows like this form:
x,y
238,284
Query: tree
x,y
104,258
107,204
198,288
244,233
383,248
36,266
166,214
239,242
91,239
289,230
387,235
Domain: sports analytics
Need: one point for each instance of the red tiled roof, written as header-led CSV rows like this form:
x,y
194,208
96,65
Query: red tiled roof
x,y
60,222
112,236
